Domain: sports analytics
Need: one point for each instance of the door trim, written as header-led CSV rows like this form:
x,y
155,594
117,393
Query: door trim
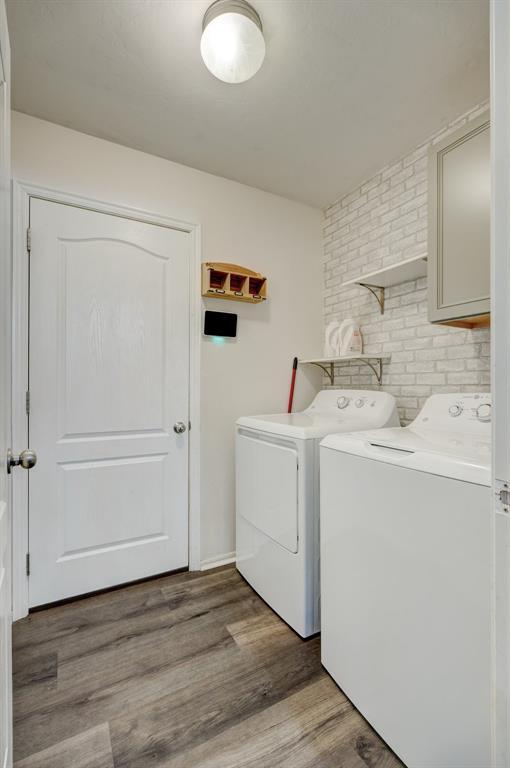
x,y
22,192
500,371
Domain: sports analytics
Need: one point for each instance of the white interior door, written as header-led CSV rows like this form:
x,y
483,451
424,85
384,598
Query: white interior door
x,y
5,402
109,379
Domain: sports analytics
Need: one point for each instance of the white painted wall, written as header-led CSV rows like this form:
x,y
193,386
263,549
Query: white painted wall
x,y
240,224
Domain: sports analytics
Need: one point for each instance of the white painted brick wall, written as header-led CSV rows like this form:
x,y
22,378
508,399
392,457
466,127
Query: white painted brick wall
x,y
383,222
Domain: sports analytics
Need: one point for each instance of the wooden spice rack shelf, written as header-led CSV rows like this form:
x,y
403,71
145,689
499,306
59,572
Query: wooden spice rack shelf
x,y
231,281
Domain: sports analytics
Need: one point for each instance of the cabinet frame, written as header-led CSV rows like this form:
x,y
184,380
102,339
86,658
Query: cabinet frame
x,y
472,312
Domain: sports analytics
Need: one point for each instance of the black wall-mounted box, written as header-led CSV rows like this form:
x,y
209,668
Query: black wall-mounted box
x,y
220,324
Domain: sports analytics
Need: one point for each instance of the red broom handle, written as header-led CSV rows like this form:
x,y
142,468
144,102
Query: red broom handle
x,y
292,383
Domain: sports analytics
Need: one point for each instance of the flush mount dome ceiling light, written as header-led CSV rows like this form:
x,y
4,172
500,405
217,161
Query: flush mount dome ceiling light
x,y
232,45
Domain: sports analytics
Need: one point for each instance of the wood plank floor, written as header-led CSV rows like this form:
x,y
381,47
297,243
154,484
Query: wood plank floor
x,y
187,671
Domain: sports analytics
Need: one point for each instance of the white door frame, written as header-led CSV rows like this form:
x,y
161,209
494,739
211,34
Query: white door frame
x,y
6,758
500,371
22,192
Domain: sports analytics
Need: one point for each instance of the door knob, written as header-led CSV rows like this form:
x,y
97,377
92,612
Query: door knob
x,y
179,427
26,459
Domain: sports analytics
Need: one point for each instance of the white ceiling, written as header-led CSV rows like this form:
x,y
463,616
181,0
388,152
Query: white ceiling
x,y
347,85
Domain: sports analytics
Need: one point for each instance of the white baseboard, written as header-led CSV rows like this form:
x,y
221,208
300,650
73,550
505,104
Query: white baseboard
x,y
215,562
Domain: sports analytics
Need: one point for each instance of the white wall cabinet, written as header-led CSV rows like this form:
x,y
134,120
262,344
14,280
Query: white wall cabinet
x,y
459,226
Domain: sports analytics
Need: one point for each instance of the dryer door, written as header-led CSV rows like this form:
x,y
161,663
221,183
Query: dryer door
x,y
267,486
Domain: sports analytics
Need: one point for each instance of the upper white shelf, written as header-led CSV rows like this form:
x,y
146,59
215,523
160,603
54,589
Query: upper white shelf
x,y
403,272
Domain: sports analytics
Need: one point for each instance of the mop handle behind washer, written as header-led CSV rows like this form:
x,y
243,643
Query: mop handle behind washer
x,y
292,383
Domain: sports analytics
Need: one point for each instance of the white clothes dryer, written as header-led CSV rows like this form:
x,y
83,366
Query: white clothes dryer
x,y
277,496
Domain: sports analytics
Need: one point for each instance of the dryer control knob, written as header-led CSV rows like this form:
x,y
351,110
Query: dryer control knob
x,y
483,412
455,410
359,403
342,402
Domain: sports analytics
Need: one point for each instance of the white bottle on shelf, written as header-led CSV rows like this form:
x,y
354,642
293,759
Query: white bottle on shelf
x,y
332,339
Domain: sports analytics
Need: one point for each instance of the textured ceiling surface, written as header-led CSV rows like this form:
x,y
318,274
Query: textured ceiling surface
x,y
347,85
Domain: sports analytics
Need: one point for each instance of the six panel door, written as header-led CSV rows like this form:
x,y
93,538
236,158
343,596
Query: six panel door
x,y
109,377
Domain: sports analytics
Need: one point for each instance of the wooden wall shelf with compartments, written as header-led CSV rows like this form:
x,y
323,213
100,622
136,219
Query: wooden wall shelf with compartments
x,y
231,281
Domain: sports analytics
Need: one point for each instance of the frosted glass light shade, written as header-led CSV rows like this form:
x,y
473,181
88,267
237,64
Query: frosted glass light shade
x,y
232,45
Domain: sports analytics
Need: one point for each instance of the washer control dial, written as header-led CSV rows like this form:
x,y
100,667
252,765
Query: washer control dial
x,y
455,410
342,402
359,403
483,412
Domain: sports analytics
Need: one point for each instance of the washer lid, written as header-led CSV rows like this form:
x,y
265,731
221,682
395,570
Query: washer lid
x,y
462,456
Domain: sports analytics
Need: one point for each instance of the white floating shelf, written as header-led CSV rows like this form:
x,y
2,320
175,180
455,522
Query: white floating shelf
x,y
403,272
328,363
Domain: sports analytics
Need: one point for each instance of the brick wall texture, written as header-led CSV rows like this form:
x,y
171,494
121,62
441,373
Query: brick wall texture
x,y
380,223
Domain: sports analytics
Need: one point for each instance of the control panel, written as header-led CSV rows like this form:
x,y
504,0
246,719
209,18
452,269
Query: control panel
x,y
457,411
357,401
348,401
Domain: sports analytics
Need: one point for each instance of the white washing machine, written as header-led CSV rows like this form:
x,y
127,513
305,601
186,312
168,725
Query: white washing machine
x,y
277,496
405,580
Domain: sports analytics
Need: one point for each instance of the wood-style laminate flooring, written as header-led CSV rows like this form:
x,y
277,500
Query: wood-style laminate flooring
x,y
191,670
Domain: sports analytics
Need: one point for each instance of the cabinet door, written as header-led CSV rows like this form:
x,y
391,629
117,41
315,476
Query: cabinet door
x,y
459,224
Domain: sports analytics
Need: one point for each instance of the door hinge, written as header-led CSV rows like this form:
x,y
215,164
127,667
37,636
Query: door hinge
x,y
27,402
27,563
29,239
502,493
